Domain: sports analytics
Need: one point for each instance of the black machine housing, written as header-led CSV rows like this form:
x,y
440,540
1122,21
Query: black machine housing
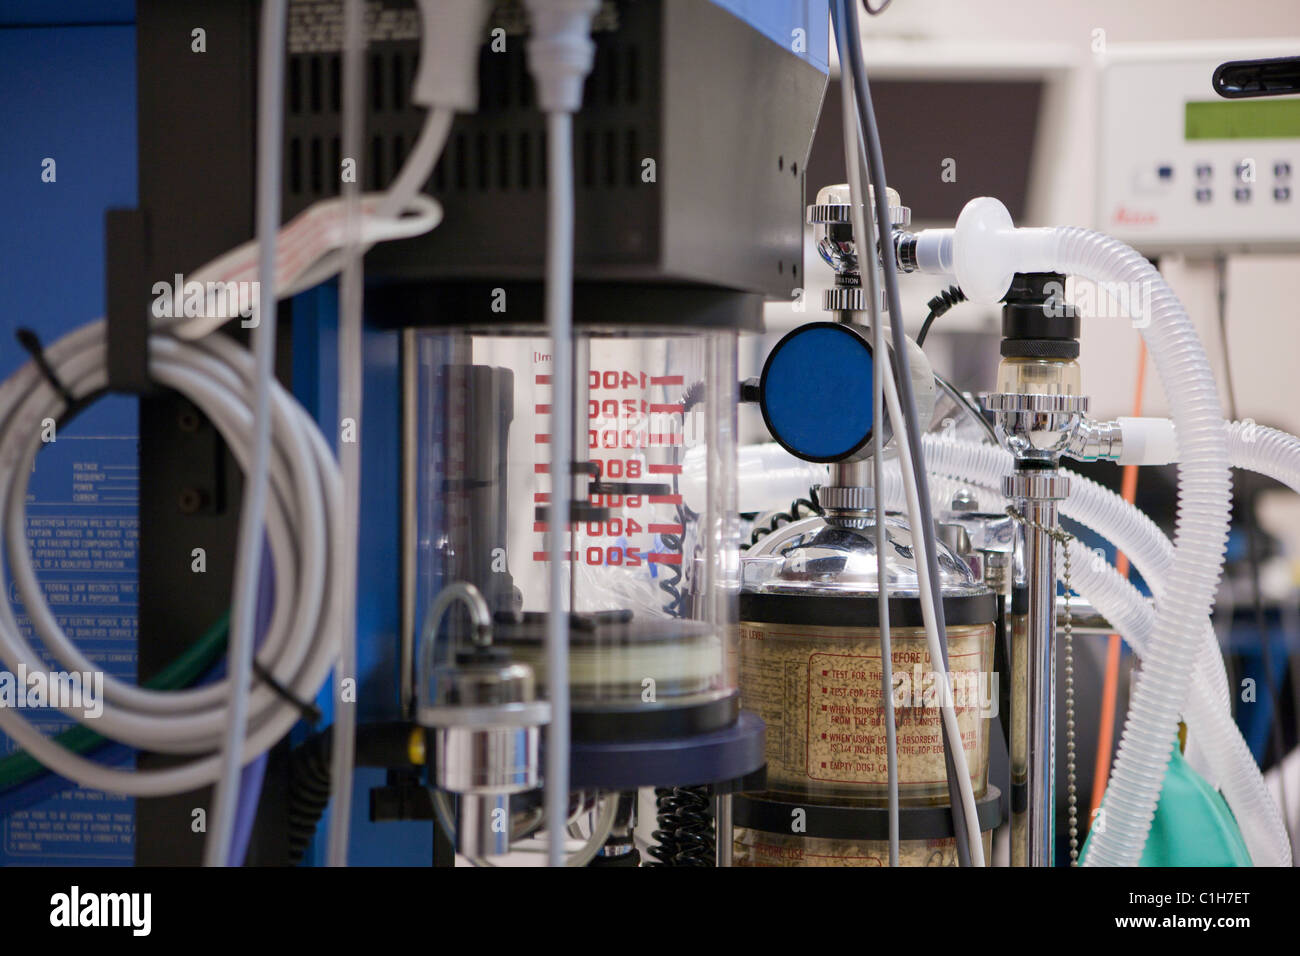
x,y
699,235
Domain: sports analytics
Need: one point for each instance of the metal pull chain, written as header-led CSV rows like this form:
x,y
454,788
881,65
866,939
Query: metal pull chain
x,y
1063,538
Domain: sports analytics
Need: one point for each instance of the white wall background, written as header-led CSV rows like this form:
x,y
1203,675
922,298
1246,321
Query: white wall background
x,y
1263,309
998,38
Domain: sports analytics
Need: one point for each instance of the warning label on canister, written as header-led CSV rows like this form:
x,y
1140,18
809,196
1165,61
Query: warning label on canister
x,y
819,691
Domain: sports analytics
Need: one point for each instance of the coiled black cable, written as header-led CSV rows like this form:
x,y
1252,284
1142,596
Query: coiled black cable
x,y
664,848
309,791
810,504
377,745
694,835
671,584
684,836
940,304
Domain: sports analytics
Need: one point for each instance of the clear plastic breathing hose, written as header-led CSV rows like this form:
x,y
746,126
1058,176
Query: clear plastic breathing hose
x,y
1208,720
1266,451
1092,505
1232,767
984,250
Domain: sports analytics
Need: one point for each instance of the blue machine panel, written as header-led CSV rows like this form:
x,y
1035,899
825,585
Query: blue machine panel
x,y
315,377
71,99
801,26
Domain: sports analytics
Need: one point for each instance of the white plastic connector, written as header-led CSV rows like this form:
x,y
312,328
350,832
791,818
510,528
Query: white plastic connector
x,y
450,38
988,250
985,250
1147,441
934,251
560,51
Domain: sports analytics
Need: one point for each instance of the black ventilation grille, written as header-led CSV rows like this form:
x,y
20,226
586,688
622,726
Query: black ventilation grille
x,y
501,148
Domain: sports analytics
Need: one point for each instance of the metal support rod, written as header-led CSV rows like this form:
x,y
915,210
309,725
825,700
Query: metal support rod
x,y
1036,492
851,474
722,833
1040,662
1018,742
1084,618
409,533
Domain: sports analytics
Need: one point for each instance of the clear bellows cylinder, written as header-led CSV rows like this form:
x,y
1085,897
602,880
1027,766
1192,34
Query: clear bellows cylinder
x,y
652,561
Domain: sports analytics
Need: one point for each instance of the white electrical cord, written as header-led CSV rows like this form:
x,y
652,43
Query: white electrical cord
x,y
419,164
559,305
560,55
248,553
311,245
948,714
958,751
350,380
885,372
307,248
867,271
219,377
293,477
403,196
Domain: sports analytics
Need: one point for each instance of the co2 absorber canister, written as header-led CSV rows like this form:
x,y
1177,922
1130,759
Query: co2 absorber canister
x,y
810,666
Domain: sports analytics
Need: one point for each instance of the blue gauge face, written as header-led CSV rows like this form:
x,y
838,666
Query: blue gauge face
x,y
816,392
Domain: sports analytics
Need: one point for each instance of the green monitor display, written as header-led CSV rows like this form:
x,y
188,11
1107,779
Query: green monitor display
x,y
1242,119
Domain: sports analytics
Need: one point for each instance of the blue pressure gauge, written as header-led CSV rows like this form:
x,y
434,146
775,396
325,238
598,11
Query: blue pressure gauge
x,y
815,392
